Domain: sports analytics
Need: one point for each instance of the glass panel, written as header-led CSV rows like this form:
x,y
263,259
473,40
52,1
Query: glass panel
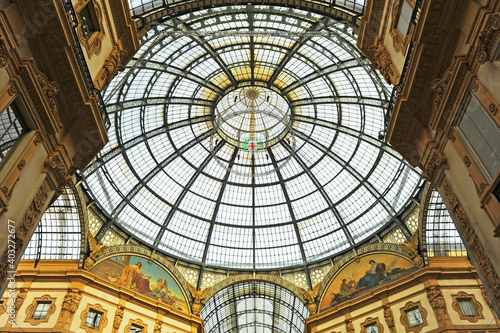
x,y
466,307
12,127
405,18
93,318
483,135
42,308
414,317
441,234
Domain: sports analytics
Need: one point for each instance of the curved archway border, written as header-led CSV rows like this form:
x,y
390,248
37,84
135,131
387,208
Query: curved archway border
x,y
349,258
173,10
157,259
250,277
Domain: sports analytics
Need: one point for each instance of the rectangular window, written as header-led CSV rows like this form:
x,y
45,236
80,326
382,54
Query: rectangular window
x,y
93,318
135,329
42,308
87,15
482,135
12,128
404,18
414,317
466,307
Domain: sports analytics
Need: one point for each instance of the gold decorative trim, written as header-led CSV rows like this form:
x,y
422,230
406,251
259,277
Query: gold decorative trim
x,y
117,321
478,308
92,44
437,301
383,62
136,322
400,42
31,310
103,321
404,318
484,265
370,321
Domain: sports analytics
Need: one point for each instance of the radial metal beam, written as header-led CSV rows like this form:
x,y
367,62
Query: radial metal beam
x,y
292,215
377,102
340,66
133,103
99,162
322,191
294,49
151,174
156,66
209,49
185,190
214,214
349,131
252,44
349,168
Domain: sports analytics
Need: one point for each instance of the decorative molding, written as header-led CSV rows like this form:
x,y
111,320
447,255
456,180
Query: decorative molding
x,y
4,54
482,259
157,328
389,318
92,44
117,321
136,322
349,326
383,62
404,318
49,88
492,25
351,256
198,296
112,65
369,322
310,296
103,321
95,249
478,308
20,297
70,305
434,165
31,310
411,247
436,299
141,251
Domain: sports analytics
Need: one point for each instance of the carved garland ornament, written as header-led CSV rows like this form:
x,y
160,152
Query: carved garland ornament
x,y
389,318
485,266
435,297
117,321
70,304
383,63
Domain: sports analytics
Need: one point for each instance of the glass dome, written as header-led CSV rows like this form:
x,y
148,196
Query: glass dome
x,y
246,137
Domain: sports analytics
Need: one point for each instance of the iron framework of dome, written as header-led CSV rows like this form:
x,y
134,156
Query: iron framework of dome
x,y
252,145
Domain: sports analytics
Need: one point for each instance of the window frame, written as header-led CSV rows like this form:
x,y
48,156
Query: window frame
x,y
478,308
31,310
471,151
137,323
370,322
92,43
410,306
399,41
103,321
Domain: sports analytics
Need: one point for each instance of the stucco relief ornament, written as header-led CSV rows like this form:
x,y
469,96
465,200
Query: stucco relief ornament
x,y
310,296
4,54
117,321
411,247
70,303
198,296
438,302
95,250
349,326
157,328
389,318
21,295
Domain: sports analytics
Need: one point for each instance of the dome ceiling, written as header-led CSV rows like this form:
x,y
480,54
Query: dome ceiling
x,y
252,145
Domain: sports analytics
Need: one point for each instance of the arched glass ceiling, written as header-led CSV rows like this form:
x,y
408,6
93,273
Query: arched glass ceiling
x,y
441,234
254,307
179,176
58,234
